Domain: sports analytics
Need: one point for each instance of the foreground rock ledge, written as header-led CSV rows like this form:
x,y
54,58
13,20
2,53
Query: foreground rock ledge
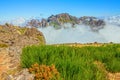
x,y
12,40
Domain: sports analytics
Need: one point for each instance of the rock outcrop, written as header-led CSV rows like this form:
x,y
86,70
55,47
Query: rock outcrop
x,y
16,36
93,22
12,40
58,21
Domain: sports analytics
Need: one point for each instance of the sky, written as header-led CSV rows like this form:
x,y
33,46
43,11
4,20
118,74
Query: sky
x,y
10,9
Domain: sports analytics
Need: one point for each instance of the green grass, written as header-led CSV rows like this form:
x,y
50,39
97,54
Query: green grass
x,y
75,63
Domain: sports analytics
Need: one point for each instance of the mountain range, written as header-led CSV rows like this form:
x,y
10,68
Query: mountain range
x,y
58,21
62,20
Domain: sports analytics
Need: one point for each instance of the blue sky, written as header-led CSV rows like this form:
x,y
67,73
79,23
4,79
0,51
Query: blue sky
x,y
10,9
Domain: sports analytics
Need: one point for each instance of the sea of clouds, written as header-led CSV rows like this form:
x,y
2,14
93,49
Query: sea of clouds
x,y
78,34
81,34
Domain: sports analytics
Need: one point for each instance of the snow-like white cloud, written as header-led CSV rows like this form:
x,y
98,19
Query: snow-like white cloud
x,y
82,34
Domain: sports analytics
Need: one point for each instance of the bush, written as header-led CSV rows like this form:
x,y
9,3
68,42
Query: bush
x,y
43,72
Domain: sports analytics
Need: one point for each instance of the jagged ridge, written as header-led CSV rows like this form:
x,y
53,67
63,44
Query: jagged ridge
x,y
60,19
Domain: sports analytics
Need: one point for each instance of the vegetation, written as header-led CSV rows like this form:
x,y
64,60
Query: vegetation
x,y
43,72
41,39
75,63
56,25
3,45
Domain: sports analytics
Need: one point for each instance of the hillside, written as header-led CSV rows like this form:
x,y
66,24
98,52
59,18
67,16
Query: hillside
x,y
16,36
12,40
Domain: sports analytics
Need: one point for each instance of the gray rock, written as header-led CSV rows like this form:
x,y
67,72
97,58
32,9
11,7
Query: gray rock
x,y
23,75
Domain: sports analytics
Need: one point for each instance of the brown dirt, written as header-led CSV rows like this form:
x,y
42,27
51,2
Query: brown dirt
x,y
15,38
4,61
9,58
114,76
80,45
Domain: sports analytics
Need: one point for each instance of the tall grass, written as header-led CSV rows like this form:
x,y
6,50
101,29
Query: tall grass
x,y
74,63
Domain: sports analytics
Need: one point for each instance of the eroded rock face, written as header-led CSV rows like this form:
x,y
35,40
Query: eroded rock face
x,y
54,20
16,36
13,39
44,23
37,23
61,19
34,23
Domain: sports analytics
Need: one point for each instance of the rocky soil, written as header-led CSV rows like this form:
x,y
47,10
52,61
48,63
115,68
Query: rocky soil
x,y
13,39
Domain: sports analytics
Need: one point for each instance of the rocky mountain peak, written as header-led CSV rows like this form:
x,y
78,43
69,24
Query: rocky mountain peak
x,y
59,20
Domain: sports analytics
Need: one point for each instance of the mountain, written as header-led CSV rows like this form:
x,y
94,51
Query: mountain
x,y
93,22
60,20
54,20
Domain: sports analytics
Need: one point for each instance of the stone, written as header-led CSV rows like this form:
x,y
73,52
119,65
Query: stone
x,y
24,75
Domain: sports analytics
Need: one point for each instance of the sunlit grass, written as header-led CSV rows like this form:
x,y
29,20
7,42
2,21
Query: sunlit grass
x,y
75,63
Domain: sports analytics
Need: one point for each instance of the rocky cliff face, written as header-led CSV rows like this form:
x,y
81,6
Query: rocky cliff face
x,y
12,40
16,36
59,20
54,20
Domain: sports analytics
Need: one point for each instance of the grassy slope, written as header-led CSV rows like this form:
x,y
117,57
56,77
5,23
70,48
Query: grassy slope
x,y
75,63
